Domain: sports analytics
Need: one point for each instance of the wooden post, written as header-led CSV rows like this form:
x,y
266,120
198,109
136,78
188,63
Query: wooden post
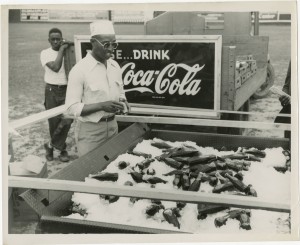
x,y
228,78
38,117
256,23
69,59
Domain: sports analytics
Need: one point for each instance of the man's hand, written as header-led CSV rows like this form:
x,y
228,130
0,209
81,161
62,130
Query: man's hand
x,y
108,106
111,106
284,100
126,107
57,63
65,44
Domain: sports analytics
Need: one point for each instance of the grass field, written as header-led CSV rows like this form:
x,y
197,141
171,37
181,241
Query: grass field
x,y
279,48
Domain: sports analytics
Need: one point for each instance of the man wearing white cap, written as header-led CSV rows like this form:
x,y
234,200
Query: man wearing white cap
x,y
95,90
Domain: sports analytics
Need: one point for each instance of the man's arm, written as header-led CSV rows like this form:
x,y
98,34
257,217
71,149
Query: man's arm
x,y
108,106
56,65
287,83
284,100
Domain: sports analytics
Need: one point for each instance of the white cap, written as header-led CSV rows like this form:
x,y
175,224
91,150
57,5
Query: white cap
x,y
102,27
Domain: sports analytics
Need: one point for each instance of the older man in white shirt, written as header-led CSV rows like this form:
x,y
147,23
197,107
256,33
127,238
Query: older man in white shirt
x,y
95,90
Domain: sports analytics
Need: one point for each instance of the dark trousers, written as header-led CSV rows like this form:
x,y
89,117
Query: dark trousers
x,y
58,126
285,110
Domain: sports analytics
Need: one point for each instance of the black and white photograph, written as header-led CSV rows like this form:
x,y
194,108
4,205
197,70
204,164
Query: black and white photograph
x,y
177,119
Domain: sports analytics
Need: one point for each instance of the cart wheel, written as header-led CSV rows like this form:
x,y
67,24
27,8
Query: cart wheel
x,y
264,88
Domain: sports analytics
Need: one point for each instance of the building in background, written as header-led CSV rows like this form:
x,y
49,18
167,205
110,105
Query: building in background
x,y
274,17
77,15
50,15
119,16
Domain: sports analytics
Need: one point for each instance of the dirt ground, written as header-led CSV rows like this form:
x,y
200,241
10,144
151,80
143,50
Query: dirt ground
x,y
26,89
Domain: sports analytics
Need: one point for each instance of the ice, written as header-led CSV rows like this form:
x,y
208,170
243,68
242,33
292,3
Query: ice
x,y
269,184
274,157
85,200
146,147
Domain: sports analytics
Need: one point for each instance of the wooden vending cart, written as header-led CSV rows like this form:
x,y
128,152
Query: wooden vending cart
x,y
239,38
242,66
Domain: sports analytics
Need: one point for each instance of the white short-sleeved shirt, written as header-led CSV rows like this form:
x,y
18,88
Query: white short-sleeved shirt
x,y
91,82
51,77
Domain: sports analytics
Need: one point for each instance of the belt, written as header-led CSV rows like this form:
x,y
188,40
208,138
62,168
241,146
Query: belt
x,y
107,119
56,86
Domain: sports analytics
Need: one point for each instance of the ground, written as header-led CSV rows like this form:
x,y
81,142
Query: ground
x,y
26,86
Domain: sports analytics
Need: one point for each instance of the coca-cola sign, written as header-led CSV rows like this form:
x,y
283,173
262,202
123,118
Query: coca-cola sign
x,y
169,73
142,80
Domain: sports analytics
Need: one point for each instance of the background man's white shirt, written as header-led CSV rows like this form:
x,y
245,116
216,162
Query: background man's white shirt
x,y
51,77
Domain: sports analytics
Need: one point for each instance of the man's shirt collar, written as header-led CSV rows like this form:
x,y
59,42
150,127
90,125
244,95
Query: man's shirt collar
x,y
92,62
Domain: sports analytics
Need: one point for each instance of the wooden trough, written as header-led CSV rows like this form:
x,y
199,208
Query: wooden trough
x,y
50,198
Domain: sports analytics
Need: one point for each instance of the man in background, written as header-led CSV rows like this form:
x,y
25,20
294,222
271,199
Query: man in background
x,y
55,92
95,90
285,101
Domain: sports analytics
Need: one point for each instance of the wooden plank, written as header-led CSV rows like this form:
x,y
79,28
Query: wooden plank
x,y
228,80
243,93
61,109
99,158
217,141
238,82
231,78
54,225
21,211
167,195
176,23
198,25
162,25
237,23
257,46
253,113
204,122
129,28
69,59
181,23
193,23
221,111
225,78
38,117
